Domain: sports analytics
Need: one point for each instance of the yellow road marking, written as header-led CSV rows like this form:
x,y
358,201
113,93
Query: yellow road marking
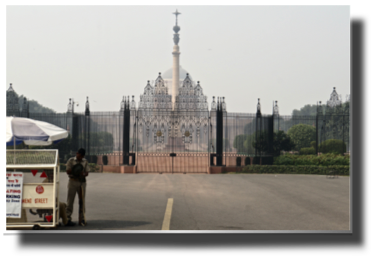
x,y
167,214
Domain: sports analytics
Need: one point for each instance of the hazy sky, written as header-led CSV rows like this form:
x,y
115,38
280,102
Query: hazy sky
x,y
295,54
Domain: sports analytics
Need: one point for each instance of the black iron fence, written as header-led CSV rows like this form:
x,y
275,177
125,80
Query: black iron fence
x,y
133,136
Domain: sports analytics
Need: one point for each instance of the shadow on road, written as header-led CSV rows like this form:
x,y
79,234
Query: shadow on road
x,y
107,225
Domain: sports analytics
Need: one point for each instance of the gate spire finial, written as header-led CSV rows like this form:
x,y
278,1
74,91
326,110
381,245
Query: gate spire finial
x,y
258,112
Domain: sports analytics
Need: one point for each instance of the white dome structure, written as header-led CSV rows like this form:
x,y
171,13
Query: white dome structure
x,y
167,77
182,74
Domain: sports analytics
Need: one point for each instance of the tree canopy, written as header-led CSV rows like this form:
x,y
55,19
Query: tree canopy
x,y
34,106
302,135
307,110
282,141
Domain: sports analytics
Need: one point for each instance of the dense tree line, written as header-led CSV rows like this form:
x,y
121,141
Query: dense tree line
x,y
311,110
34,106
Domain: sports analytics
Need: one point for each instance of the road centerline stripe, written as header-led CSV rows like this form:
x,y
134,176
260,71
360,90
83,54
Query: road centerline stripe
x,y
167,214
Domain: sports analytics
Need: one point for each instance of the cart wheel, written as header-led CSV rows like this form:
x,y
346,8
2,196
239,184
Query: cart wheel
x,y
36,227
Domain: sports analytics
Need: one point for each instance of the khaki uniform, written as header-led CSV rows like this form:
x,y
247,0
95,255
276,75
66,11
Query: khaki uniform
x,y
74,185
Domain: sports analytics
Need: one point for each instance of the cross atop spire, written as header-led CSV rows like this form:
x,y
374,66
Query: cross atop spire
x,y
176,13
176,28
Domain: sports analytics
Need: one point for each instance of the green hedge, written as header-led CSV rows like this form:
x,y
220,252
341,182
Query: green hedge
x,y
94,167
297,169
307,151
62,168
322,160
335,146
264,160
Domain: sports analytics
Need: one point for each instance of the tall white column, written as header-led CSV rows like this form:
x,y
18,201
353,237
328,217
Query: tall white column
x,y
175,61
175,74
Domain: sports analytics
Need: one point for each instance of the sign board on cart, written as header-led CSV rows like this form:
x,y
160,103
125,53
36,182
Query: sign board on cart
x,y
40,196
14,194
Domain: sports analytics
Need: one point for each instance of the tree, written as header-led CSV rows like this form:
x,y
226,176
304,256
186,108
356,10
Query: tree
x,y
302,135
34,106
238,143
282,141
244,143
100,142
261,144
248,144
307,110
313,144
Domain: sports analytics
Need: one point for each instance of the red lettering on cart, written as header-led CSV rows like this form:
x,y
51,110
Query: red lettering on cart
x,y
14,191
41,200
27,201
11,181
17,175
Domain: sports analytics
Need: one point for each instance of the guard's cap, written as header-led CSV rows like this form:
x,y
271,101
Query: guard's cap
x,y
81,151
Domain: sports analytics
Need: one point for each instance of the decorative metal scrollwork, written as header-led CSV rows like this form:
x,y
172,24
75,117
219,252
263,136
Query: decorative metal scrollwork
x,y
319,108
87,111
258,110
335,99
191,98
13,107
162,124
132,103
275,109
213,104
71,106
123,104
154,97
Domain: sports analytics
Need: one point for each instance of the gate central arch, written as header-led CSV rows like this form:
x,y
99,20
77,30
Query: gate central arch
x,y
172,141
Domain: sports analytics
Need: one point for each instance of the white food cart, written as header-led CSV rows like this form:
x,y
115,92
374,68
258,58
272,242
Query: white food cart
x,y
40,191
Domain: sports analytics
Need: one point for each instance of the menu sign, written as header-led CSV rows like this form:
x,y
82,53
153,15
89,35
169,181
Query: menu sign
x,y
14,194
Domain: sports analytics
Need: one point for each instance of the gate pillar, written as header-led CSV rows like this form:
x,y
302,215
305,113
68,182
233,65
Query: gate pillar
x,y
219,133
125,106
87,126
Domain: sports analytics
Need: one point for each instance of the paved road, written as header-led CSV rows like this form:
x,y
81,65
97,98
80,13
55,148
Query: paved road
x,y
213,202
